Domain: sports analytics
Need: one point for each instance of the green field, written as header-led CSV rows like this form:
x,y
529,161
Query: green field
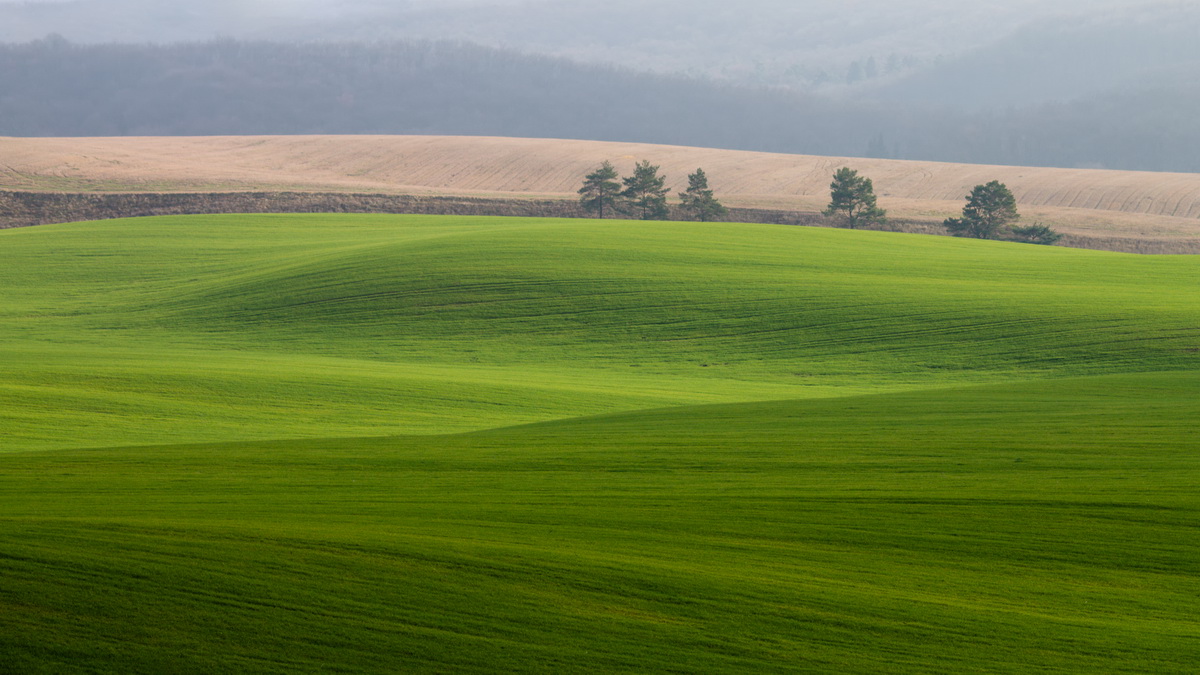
x,y
448,444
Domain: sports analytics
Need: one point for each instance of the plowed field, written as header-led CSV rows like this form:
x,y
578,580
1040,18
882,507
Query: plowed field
x,y
1089,202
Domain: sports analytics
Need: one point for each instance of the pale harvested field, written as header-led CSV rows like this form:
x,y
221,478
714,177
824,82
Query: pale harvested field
x,y
1086,202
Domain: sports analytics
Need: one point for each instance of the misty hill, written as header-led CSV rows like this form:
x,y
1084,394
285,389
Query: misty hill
x,y
55,88
804,43
1058,60
1016,47
52,87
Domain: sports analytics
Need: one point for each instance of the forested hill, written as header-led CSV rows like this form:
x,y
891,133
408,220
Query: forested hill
x,y
51,87
54,88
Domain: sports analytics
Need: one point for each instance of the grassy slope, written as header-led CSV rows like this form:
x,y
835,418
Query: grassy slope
x,y
1043,520
1010,528
227,328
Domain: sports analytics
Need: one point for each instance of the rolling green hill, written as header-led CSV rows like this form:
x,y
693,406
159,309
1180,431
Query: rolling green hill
x,y
997,529
230,328
419,444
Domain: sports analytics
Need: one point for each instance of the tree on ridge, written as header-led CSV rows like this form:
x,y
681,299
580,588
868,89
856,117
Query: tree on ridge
x,y
990,211
600,190
852,198
698,199
646,190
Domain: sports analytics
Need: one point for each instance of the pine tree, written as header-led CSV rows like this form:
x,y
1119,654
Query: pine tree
x,y
852,198
699,200
989,212
600,190
646,191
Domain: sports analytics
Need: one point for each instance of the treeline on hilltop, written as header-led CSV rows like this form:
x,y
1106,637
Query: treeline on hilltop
x,y
51,87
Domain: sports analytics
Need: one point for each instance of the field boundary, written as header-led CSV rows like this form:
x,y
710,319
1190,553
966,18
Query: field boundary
x,y
23,209
26,209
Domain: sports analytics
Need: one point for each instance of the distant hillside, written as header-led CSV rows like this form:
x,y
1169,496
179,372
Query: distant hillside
x,y
805,43
1112,209
54,88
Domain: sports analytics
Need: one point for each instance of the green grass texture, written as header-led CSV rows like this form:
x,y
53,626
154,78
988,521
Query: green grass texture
x,y
229,328
279,444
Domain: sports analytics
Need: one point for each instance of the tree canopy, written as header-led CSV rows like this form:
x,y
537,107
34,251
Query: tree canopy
x,y
990,211
600,190
852,199
1035,234
698,199
646,191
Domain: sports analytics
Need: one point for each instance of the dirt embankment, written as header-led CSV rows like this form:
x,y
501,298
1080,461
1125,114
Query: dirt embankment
x,y
22,209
